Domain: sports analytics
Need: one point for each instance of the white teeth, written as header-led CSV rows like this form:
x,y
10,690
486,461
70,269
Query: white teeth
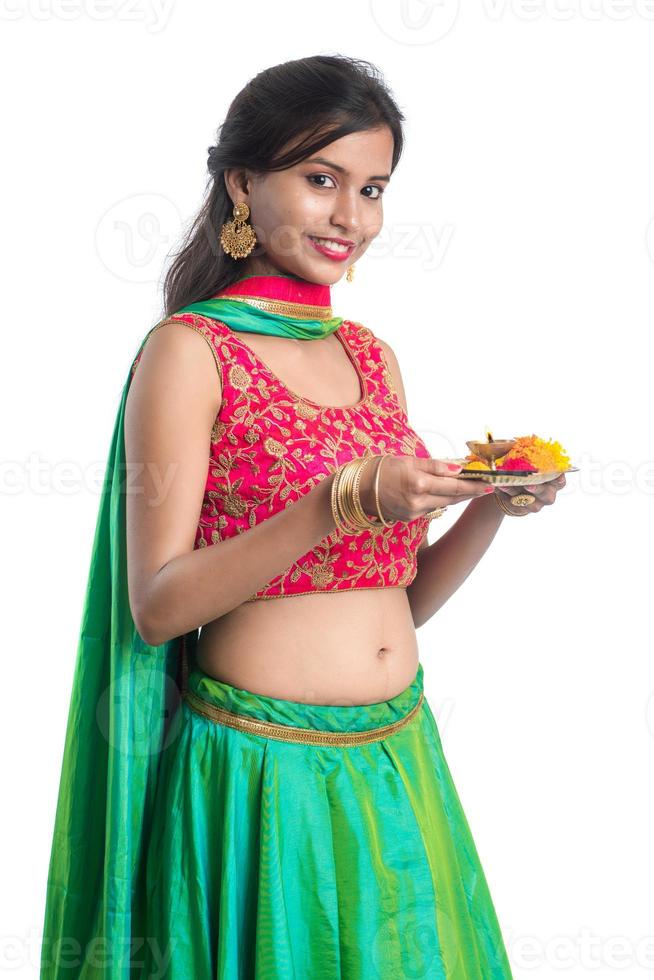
x,y
331,245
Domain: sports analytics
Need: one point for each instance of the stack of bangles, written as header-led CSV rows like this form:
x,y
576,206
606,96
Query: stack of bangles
x,y
346,499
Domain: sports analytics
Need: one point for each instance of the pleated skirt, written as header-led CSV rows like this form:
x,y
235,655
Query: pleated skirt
x,y
297,841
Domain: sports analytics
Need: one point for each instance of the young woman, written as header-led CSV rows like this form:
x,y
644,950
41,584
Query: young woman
x,y
292,814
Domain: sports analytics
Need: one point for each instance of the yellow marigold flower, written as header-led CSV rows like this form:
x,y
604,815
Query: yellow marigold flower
x,y
545,455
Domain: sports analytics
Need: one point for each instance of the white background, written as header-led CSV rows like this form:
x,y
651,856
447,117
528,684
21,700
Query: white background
x,y
513,279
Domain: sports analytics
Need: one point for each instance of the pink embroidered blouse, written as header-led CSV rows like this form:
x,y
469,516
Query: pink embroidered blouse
x,y
269,446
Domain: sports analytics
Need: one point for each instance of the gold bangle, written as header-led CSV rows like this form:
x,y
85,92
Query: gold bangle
x,y
502,505
334,499
345,494
356,492
379,513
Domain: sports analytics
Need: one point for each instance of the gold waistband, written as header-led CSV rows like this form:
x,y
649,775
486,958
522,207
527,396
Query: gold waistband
x,y
287,733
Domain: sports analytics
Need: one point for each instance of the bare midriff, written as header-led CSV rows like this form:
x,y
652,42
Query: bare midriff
x,y
354,647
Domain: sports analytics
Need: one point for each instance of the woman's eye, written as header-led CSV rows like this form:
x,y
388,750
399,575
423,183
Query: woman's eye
x,y
319,177
380,191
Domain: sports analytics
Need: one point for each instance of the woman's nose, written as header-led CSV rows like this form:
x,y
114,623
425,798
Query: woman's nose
x,y
347,217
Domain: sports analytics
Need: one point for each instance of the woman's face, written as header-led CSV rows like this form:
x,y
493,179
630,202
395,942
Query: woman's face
x,y
336,197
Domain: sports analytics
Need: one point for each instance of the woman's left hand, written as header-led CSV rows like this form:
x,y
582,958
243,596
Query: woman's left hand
x,y
545,494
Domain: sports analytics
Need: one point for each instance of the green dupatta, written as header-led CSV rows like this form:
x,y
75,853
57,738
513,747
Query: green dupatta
x,y
122,714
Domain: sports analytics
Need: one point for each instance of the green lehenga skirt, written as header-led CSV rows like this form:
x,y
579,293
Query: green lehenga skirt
x,y
294,840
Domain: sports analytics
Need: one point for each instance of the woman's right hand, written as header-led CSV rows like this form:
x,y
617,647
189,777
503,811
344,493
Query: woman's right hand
x,y
411,486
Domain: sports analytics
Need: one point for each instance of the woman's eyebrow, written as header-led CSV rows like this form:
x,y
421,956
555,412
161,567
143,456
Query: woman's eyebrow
x,y
342,170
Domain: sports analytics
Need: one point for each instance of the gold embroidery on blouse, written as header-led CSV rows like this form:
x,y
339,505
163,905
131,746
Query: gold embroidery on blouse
x,y
277,419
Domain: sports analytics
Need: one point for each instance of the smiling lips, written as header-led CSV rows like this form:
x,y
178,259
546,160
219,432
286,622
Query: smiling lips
x,y
333,248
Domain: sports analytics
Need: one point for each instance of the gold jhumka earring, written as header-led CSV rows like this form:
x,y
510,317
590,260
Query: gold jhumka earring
x,y
236,237
349,275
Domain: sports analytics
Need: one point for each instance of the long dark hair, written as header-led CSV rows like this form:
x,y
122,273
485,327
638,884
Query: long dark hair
x,y
306,104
